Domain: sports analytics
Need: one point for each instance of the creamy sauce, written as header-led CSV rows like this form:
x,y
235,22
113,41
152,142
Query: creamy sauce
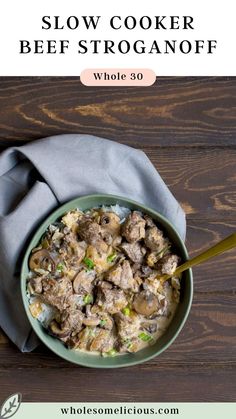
x,y
137,329
162,322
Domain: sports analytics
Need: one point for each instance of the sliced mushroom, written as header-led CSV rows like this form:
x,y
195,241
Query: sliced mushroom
x,y
145,303
110,223
42,259
91,321
57,331
83,282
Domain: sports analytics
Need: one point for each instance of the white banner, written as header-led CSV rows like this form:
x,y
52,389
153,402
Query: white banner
x,y
123,410
171,37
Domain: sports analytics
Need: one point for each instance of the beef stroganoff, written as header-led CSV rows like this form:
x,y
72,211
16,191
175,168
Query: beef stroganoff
x,y
95,280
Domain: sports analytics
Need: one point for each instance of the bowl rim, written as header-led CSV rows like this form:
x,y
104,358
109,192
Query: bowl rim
x,y
57,212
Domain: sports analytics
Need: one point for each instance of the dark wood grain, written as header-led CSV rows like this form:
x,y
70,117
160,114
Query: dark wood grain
x,y
218,274
175,111
127,385
187,128
203,179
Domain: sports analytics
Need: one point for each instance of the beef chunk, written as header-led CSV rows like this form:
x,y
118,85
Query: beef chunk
x,y
154,239
93,339
111,300
168,264
127,326
121,275
105,320
149,221
72,320
83,339
56,293
75,249
134,227
102,342
134,251
90,231
152,284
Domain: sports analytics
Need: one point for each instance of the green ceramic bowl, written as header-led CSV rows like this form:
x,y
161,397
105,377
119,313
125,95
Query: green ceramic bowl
x,y
86,359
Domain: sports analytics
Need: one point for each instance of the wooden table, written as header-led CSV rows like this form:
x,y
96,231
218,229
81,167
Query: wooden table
x,y
187,126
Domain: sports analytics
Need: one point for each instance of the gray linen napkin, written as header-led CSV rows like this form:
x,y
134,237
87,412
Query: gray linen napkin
x,y
39,176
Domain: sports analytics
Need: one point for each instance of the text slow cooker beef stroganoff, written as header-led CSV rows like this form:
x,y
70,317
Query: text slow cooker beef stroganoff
x,y
95,280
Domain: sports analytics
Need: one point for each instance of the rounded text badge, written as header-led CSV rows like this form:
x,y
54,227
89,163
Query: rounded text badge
x,y
117,77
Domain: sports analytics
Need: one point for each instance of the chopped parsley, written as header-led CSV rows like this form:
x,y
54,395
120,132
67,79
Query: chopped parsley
x,y
88,299
112,352
145,337
111,258
126,311
89,263
60,267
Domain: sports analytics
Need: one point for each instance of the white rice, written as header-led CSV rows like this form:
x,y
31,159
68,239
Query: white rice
x,y
122,212
47,314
